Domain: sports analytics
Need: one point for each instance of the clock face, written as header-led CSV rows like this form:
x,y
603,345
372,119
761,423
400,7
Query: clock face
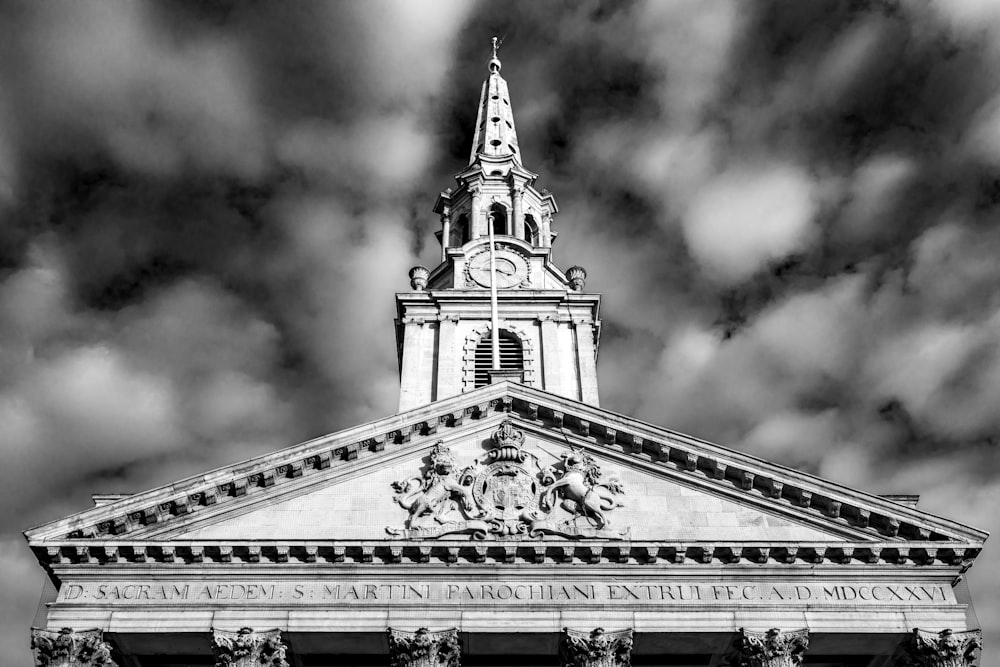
x,y
511,269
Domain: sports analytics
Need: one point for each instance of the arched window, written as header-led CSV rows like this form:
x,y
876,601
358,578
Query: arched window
x,y
459,234
511,356
499,216
530,229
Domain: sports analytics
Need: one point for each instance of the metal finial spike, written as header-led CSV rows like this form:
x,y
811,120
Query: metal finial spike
x,y
494,60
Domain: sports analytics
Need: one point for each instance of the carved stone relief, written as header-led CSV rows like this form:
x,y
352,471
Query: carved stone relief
x,y
772,648
509,493
424,648
597,648
246,648
940,649
66,648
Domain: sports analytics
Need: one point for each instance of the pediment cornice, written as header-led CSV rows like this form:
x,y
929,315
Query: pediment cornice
x,y
873,525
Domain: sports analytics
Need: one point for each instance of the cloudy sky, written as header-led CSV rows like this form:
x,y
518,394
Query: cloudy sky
x,y
206,207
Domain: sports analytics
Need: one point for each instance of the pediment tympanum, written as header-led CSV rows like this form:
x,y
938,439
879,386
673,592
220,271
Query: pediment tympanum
x,y
509,483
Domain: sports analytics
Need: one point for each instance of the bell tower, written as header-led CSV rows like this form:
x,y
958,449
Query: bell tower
x,y
496,307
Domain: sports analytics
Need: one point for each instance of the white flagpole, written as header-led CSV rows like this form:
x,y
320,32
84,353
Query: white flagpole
x,y
493,297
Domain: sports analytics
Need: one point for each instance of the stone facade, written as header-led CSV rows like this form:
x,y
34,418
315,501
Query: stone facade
x,y
511,523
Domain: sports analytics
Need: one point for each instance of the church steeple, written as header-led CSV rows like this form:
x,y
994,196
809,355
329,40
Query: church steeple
x,y
495,133
547,326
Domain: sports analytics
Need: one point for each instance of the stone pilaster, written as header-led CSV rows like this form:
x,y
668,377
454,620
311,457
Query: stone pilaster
x,y
772,648
940,649
596,648
424,648
246,648
66,648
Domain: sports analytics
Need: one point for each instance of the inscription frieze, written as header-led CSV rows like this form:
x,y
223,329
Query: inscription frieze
x,y
656,593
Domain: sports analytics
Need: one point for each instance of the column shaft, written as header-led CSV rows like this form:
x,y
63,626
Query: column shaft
x,y
518,193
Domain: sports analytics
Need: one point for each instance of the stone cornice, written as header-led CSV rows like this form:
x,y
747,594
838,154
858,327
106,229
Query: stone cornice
x,y
807,499
835,556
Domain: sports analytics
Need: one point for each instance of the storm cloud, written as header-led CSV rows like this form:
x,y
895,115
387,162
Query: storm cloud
x,y
205,209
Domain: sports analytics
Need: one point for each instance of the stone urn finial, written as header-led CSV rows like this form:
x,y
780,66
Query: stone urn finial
x,y
418,278
577,278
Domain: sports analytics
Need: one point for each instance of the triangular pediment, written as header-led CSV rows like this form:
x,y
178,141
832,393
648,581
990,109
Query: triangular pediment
x,y
678,495
645,505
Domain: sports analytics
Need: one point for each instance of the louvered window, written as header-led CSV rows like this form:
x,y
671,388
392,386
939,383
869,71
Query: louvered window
x,y
511,356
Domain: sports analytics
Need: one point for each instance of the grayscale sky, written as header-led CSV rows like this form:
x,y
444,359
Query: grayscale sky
x,y
206,207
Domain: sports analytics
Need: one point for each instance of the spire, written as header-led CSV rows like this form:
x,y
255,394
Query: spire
x,y
495,134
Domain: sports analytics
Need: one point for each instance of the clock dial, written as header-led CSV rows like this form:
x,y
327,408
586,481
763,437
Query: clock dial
x,y
511,269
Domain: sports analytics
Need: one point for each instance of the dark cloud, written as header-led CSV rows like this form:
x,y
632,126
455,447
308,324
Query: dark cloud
x,y
789,208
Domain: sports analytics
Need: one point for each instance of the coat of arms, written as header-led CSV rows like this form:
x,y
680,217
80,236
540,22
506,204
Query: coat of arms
x,y
509,493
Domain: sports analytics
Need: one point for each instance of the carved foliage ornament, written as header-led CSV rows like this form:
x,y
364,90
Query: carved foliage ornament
x,y
597,648
70,649
508,493
772,648
246,648
941,649
424,648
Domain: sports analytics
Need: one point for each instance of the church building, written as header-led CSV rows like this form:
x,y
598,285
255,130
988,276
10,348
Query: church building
x,y
502,516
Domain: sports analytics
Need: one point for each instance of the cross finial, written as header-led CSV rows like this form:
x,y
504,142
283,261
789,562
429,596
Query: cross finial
x,y
496,46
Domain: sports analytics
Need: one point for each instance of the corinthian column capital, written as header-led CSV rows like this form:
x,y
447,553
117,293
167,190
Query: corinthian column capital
x,y
66,648
940,649
596,648
772,648
424,648
246,648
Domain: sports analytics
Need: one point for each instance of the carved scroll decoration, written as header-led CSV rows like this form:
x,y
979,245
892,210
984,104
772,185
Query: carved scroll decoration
x,y
424,648
246,648
509,493
66,648
940,649
597,648
772,648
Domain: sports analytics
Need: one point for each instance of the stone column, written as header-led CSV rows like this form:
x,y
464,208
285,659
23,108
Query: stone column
x,y
596,648
546,231
475,219
445,232
246,648
66,648
940,649
518,194
424,648
772,648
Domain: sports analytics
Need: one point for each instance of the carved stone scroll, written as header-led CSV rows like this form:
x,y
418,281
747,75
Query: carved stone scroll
x,y
66,648
772,648
246,648
596,648
424,648
940,649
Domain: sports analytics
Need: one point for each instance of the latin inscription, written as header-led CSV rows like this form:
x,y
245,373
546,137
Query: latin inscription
x,y
516,593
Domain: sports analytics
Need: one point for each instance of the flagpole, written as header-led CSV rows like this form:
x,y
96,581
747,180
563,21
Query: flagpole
x,y
493,297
